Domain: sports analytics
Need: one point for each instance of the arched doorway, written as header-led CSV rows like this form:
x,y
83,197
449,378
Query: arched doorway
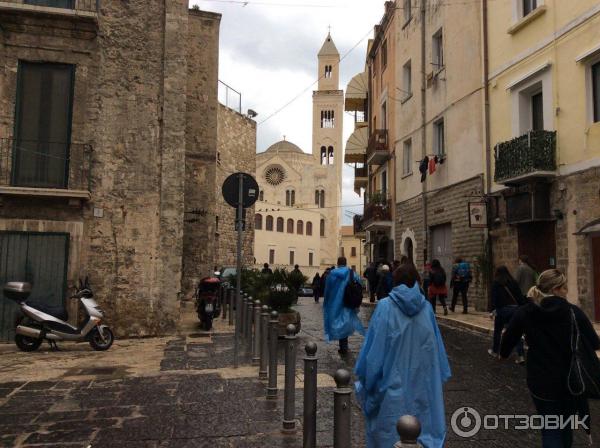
x,y
409,249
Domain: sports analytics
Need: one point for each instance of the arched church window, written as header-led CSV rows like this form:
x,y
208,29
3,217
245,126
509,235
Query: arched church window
x,y
290,198
322,199
328,70
328,119
330,153
269,223
290,226
280,225
258,221
287,197
323,156
300,227
317,197
322,227
309,228
293,199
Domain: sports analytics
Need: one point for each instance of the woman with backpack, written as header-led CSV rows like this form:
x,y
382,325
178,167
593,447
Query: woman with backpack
x,y
506,298
403,366
550,330
437,286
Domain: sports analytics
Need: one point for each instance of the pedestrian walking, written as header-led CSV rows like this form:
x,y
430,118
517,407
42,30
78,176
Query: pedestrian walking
x,y
460,280
371,276
525,275
266,270
339,322
384,281
437,286
403,366
324,282
297,270
506,299
549,330
316,287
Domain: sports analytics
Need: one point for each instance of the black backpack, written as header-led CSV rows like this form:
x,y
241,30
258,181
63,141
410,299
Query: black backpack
x,y
353,292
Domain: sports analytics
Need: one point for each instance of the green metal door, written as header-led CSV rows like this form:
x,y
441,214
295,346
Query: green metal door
x,y
38,258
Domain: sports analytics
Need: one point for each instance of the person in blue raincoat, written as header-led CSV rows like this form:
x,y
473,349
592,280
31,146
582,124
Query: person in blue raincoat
x,y
339,322
403,366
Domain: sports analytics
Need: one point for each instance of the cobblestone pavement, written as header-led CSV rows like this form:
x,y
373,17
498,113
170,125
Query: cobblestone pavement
x,y
193,398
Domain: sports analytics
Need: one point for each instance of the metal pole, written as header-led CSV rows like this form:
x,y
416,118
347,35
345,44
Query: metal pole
x,y
240,214
264,343
243,315
249,307
310,396
273,334
409,430
223,298
257,333
230,305
289,391
342,411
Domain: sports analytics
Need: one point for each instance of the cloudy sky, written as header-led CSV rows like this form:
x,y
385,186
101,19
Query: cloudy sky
x,y
268,52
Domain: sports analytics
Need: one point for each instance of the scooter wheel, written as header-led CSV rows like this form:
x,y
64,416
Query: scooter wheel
x,y
99,344
27,344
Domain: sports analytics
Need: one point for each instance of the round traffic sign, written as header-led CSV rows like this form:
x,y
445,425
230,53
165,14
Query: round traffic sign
x,y
231,190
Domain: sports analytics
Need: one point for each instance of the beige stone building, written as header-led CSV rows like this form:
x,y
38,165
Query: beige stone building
x,y
297,217
439,128
108,154
353,249
544,139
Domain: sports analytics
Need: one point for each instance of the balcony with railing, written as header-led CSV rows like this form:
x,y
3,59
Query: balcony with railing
x,y
357,224
524,158
41,168
378,148
70,9
378,211
361,179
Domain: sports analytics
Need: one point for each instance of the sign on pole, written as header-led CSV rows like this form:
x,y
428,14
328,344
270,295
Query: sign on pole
x,y
240,190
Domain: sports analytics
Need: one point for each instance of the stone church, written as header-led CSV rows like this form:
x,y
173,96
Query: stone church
x,y
298,215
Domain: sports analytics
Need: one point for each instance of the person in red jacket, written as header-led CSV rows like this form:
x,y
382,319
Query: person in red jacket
x,y
437,286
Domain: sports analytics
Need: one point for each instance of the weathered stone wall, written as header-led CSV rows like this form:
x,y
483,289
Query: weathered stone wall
x,y
201,148
131,101
237,153
445,206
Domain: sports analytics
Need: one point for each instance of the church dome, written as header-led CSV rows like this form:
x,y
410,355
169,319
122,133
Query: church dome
x,y
284,146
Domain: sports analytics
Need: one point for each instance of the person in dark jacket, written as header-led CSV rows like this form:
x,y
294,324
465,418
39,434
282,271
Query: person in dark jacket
x,y
506,298
266,269
437,289
316,287
548,333
371,276
460,280
323,281
384,282
525,274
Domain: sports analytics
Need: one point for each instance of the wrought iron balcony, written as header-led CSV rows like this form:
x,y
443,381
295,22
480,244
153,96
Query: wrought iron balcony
x,y
76,8
378,211
378,150
358,225
526,157
361,178
30,167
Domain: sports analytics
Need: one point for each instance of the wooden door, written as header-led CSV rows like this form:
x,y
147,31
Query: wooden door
x,y
537,240
596,273
38,258
441,247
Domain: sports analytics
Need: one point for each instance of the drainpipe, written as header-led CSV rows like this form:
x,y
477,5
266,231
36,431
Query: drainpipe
x,y
424,126
488,154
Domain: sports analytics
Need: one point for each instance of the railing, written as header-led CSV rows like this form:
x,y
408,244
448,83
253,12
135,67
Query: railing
x,y
378,208
357,222
361,172
77,5
230,97
39,164
534,151
378,142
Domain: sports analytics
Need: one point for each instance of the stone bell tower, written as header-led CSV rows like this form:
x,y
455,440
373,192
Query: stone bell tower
x,y
328,120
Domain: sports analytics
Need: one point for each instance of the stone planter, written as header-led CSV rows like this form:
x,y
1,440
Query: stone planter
x,y
291,317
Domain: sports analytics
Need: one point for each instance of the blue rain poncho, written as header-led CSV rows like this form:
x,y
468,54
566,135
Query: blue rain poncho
x,y
401,370
339,322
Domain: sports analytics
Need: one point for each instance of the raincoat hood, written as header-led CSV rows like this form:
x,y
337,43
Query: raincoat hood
x,y
409,300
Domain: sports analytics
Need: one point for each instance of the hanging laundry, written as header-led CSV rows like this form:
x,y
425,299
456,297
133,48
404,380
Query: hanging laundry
x,y
432,164
423,168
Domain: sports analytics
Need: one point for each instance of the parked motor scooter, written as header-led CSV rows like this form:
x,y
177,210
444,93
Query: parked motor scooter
x,y
207,301
44,322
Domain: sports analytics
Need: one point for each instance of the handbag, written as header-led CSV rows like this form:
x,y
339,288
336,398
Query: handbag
x,y
583,379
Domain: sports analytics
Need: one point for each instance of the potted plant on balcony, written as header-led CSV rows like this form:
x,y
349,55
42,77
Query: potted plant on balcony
x,y
378,206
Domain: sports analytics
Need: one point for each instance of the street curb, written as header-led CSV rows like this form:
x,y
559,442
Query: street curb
x,y
453,323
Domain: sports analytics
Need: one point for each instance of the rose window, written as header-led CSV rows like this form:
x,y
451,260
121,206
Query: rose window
x,y
275,175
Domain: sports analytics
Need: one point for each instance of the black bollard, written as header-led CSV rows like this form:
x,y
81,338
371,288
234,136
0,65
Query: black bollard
x,y
257,335
273,334
289,392
230,305
264,343
310,396
409,430
342,412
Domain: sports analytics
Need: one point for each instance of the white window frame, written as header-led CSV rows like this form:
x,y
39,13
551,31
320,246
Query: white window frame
x,y
407,80
522,92
437,51
436,137
407,157
518,11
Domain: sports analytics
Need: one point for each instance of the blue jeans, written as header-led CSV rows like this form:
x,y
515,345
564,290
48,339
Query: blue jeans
x,y
503,317
559,438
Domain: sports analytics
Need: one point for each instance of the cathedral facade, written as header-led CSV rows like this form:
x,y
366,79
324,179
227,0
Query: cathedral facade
x,y
298,215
